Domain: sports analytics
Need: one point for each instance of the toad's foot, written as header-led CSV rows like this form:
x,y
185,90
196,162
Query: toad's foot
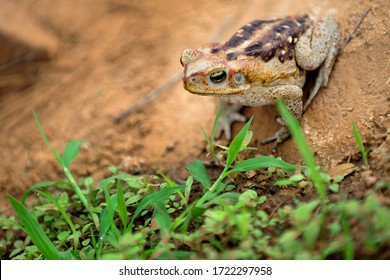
x,y
279,137
229,115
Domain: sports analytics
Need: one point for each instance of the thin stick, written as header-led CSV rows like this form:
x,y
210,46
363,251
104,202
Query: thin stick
x,y
354,29
149,96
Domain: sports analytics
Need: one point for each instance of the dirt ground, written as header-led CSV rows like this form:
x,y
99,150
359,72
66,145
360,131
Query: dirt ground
x,y
110,53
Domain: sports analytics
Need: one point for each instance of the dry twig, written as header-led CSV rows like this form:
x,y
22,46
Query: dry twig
x,y
354,29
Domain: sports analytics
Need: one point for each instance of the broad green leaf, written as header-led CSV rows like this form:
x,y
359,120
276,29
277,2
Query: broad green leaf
x,y
62,199
334,188
71,151
106,217
228,198
67,255
161,215
197,211
247,139
113,169
236,144
187,190
199,172
285,182
290,242
304,212
88,182
154,197
34,230
132,181
86,242
325,177
262,162
311,232
63,235
134,199
297,177
247,196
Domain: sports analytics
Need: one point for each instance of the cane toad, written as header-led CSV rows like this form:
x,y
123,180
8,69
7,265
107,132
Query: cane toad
x,y
263,61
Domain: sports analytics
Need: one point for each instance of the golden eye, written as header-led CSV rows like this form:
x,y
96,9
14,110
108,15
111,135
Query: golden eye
x,y
218,76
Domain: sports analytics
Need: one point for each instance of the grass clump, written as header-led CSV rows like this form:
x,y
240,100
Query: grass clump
x,y
152,217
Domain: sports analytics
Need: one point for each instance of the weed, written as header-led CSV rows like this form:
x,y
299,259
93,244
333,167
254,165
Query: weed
x,y
152,217
360,144
303,147
210,140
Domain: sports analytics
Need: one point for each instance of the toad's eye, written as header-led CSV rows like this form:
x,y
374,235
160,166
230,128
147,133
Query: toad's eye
x,y
218,77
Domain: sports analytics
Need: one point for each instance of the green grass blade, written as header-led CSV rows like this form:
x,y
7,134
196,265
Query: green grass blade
x,y
112,203
43,134
210,140
167,180
216,121
161,215
122,210
68,220
94,243
262,162
76,188
199,172
34,231
71,151
360,144
172,184
304,149
107,216
36,187
233,150
357,137
349,247
63,165
123,177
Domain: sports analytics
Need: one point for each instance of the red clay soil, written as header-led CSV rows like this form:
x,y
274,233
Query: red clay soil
x,y
111,53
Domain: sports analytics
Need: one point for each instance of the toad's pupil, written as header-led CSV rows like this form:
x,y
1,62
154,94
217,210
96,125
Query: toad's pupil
x,y
218,77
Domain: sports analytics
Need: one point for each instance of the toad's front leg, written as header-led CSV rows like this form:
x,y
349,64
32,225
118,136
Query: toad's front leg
x,y
230,114
317,48
292,97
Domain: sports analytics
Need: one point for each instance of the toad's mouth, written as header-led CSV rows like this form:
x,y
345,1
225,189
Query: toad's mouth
x,y
207,90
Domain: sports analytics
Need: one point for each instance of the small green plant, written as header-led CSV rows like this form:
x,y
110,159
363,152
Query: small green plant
x,y
210,140
360,144
304,150
152,217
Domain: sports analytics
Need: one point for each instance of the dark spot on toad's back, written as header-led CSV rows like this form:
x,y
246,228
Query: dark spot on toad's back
x,y
277,41
246,32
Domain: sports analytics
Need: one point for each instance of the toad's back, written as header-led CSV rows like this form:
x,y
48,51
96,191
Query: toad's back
x,y
266,39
